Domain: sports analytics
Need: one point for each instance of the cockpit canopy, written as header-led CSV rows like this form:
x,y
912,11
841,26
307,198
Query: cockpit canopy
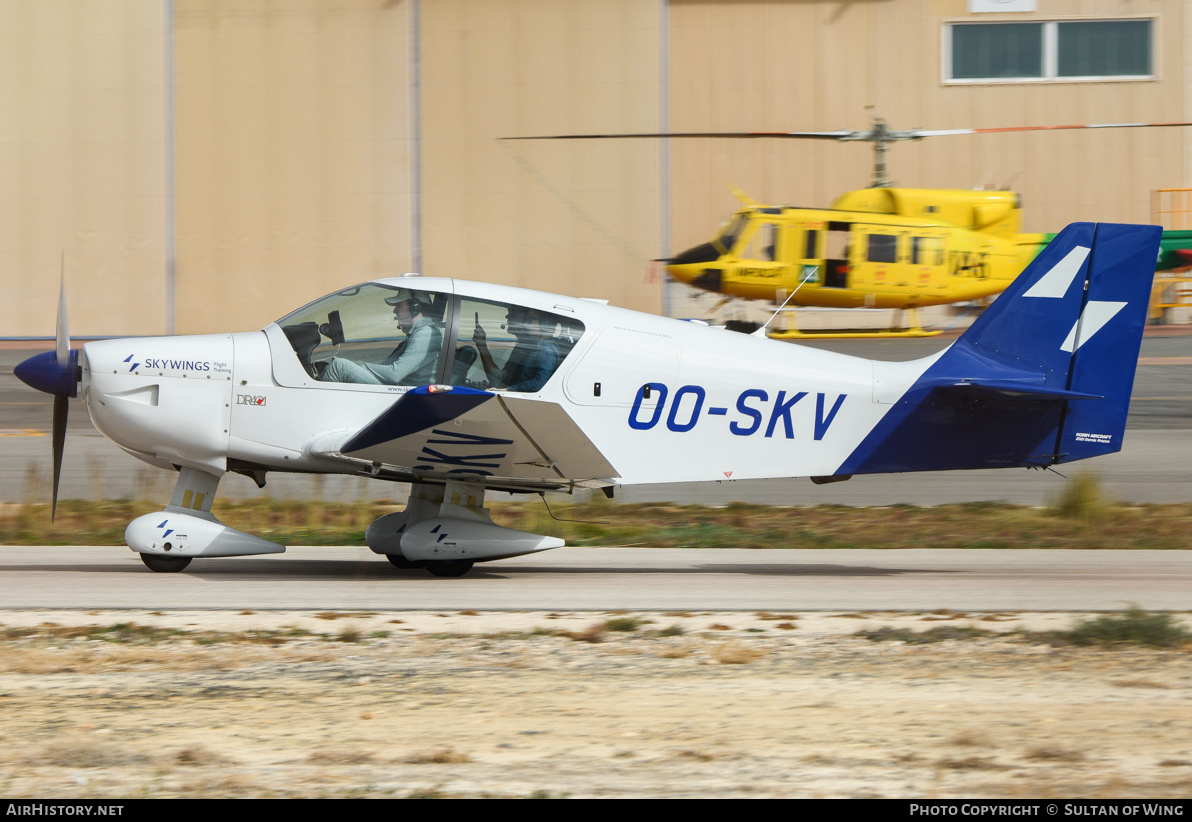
x,y
385,334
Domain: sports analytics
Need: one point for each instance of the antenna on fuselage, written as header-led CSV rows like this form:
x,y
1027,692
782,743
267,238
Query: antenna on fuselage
x,y
761,332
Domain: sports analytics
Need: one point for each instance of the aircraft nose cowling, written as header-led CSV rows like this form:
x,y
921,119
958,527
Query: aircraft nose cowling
x,y
45,373
164,398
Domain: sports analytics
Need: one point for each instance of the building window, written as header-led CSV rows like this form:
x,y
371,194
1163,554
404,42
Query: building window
x,y
1053,50
1107,48
998,51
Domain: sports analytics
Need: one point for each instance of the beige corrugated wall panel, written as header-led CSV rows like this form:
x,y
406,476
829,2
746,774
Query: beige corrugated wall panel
x,y
576,217
815,66
293,154
81,165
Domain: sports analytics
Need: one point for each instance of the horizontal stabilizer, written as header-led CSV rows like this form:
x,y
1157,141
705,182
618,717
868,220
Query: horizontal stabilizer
x,y
1011,390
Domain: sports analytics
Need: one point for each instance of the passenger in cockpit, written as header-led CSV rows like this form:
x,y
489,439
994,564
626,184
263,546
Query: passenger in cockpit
x,y
533,359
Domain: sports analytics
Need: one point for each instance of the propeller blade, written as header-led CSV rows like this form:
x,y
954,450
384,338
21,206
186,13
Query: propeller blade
x,y
55,372
58,438
62,333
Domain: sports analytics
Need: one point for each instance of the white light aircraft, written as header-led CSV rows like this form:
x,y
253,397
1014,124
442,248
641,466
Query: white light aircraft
x,y
463,387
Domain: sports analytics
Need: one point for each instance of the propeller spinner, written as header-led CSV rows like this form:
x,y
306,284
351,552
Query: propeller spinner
x,y
55,372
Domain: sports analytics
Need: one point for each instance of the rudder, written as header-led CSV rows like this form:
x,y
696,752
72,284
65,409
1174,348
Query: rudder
x,y
1104,342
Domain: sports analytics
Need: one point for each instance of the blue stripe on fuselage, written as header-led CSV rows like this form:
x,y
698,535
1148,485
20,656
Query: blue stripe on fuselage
x,y
414,411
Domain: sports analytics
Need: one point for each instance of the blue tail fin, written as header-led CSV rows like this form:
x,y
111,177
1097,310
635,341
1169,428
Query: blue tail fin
x,y
1105,341
1043,376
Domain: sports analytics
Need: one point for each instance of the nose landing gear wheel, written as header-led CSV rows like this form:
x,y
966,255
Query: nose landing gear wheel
x,y
164,565
448,567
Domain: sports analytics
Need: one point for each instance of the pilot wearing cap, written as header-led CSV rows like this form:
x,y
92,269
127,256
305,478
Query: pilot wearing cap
x,y
413,362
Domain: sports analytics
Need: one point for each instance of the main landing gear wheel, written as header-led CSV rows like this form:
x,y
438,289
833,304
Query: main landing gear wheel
x,y
398,561
165,565
448,567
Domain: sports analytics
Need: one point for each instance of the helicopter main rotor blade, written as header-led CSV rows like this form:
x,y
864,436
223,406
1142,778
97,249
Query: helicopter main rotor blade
x,y
880,135
950,132
875,135
798,135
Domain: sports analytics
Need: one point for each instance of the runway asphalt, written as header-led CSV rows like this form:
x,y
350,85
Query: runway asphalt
x,y
1155,464
601,579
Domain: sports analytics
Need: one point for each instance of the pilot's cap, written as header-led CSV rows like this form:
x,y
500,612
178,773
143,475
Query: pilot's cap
x,y
405,294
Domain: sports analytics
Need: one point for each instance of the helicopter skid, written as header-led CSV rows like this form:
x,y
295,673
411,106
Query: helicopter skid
x,y
851,333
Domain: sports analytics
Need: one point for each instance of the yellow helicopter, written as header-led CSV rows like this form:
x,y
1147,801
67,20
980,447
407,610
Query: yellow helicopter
x,y
877,247
897,248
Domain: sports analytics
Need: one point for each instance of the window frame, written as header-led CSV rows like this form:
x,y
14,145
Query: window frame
x,y
1050,57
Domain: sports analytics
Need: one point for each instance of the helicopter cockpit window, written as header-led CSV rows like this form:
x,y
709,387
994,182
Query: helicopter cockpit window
x,y
762,244
727,238
811,245
371,334
510,346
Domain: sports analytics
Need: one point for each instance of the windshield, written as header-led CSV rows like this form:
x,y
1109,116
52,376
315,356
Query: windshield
x,y
727,237
372,333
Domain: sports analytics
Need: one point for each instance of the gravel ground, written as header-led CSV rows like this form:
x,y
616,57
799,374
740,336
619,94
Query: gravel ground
x,y
399,704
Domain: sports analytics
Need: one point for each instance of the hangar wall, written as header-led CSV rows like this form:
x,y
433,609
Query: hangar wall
x,y
81,165
293,154
541,214
299,124
787,66
296,132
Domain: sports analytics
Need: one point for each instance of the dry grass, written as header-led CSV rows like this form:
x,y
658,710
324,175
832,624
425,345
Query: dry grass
x,y
1139,683
438,756
696,756
736,653
594,634
1081,518
971,763
200,755
350,634
181,656
940,633
86,755
973,739
340,757
1054,753
1135,626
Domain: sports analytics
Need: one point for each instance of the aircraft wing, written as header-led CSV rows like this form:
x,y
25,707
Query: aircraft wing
x,y
477,436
